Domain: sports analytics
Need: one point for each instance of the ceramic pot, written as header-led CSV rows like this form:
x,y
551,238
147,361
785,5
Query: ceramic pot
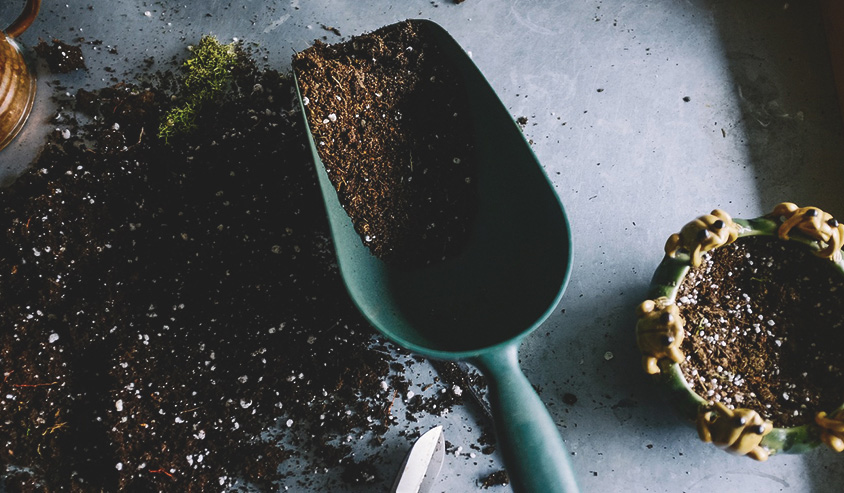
x,y
660,330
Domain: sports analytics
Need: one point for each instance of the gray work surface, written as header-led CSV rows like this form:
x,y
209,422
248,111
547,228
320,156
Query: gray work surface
x,y
603,85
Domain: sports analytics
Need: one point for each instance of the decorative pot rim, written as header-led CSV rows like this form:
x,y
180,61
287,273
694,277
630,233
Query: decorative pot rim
x,y
666,282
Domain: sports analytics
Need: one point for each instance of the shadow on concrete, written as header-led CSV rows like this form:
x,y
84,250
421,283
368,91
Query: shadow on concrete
x,y
779,60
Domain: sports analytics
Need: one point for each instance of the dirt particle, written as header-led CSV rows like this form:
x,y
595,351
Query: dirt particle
x,y
497,478
60,56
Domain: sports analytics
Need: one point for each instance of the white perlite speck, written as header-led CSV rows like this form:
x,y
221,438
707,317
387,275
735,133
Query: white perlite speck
x,y
608,355
289,423
456,390
119,405
119,466
53,338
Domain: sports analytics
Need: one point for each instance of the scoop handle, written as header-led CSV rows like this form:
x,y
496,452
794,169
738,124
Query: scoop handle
x,y
30,11
534,454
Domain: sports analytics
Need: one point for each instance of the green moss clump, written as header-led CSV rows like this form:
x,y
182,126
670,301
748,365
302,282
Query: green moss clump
x,y
209,75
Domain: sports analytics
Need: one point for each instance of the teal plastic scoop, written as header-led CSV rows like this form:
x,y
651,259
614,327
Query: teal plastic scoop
x,y
479,305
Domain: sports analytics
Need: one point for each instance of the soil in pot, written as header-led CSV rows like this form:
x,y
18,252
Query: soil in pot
x,y
390,120
764,322
172,313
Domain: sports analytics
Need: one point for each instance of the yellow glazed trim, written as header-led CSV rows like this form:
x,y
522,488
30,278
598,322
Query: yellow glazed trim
x,y
659,333
814,223
738,431
832,429
702,235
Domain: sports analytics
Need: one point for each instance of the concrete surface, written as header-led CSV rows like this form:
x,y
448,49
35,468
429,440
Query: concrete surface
x,y
602,84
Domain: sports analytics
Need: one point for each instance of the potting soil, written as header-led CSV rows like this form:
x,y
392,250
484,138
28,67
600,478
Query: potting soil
x,y
173,318
764,321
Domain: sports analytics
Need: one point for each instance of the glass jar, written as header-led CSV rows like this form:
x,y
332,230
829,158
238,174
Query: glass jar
x,y
17,81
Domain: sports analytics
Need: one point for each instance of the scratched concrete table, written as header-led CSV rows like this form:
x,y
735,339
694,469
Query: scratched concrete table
x,y
644,114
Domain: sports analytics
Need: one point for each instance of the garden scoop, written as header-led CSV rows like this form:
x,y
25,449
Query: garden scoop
x,y
477,306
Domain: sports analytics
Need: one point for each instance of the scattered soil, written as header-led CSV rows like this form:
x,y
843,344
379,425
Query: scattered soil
x,y
498,478
764,322
331,29
173,318
390,121
463,380
60,56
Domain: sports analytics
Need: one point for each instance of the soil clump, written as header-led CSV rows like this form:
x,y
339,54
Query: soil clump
x,y
61,57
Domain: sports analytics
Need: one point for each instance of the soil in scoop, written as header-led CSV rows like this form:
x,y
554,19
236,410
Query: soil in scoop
x,y
172,317
764,321
390,121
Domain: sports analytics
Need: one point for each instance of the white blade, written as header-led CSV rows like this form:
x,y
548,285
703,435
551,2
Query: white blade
x,y
422,464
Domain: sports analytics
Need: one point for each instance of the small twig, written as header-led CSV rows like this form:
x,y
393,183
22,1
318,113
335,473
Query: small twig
x,y
390,408
161,471
31,385
331,328
54,428
118,105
